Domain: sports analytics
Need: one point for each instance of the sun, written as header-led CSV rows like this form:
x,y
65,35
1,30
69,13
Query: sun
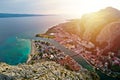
x,y
79,7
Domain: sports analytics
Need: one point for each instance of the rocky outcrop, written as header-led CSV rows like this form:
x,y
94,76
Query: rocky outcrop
x,y
5,77
46,70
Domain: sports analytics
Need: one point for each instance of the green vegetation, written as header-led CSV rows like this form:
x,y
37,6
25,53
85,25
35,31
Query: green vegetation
x,y
45,36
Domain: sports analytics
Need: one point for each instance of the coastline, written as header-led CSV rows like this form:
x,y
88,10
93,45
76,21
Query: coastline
x,y
31,52
47,68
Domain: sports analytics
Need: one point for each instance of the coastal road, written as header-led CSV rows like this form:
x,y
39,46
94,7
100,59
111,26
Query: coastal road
x,y
78,58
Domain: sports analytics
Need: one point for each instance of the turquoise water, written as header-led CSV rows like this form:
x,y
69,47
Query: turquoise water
x,y
16,33
15,50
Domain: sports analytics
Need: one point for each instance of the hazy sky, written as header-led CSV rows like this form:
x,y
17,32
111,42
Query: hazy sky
x,y
76,7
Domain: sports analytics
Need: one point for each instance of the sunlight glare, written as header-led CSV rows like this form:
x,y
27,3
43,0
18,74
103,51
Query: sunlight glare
x,y
79,7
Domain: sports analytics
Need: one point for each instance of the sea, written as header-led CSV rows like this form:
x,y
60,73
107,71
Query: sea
x,y
16,34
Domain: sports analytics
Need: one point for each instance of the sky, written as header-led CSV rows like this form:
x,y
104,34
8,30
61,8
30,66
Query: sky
x,y
71,7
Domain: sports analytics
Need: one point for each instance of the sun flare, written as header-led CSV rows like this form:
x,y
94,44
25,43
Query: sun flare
x,y
80,7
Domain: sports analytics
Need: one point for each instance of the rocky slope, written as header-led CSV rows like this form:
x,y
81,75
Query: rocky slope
x,y
46,70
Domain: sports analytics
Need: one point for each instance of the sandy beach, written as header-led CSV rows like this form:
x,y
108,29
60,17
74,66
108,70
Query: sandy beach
x,y
32,51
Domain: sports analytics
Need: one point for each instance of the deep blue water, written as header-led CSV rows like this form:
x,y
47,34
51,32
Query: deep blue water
x,y
16,33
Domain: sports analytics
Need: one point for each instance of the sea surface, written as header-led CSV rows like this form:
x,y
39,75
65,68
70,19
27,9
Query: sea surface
x,y
16,33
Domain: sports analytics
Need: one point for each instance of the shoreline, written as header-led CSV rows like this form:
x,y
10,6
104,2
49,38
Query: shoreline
x,y
31,51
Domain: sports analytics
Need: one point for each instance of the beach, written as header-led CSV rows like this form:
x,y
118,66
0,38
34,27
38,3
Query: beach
x,y
32,52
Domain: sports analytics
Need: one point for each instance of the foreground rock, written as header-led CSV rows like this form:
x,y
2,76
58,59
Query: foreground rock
x,y
43,71
5,77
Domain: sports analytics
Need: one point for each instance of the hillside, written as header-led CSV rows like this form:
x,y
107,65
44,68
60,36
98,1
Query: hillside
x,y
96,36
91,26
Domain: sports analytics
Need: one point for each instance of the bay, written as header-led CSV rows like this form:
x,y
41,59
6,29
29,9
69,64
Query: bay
x,y
16,33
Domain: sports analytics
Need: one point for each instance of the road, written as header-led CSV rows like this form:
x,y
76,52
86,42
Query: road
x,y
78,58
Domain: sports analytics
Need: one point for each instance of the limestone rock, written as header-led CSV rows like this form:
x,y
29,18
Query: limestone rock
x,y
46,70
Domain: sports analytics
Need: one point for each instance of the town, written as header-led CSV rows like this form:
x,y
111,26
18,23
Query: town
x,y
108,64
48,52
